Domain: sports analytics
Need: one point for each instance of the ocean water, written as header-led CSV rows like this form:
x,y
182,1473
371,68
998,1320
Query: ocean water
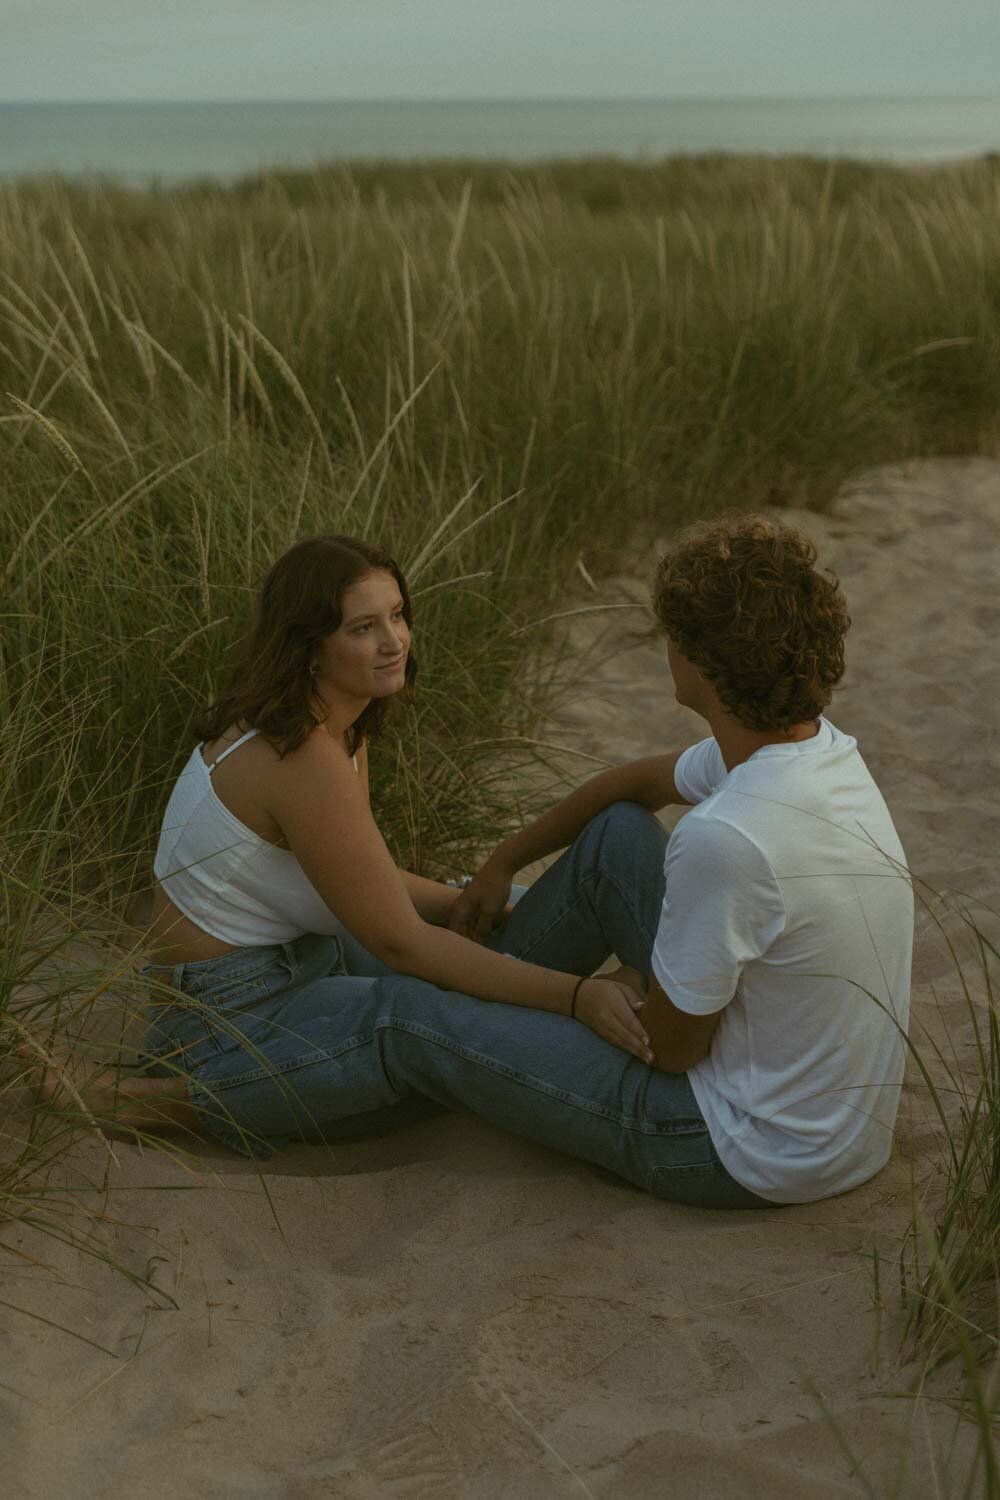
x,y
172,141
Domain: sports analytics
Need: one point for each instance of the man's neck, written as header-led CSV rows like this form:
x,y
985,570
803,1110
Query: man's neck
x,y
738,743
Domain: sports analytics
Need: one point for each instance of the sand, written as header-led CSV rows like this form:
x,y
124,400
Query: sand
x,y
452,1312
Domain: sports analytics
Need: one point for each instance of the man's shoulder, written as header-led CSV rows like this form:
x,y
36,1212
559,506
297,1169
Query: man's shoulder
x,y
715,835
817,769
700,771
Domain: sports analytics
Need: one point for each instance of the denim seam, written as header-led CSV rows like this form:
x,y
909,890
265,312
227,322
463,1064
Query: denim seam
x,y
225,986
224,1129
302,1060
709,1168
626,1122
305,1059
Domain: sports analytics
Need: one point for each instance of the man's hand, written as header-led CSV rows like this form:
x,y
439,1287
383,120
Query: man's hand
x,y
631,977
482,906
609,1007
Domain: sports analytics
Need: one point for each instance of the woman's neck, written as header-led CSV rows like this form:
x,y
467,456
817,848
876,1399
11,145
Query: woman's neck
x,y
339,715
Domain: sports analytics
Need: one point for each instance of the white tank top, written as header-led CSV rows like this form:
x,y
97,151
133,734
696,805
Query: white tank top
x,y
226,878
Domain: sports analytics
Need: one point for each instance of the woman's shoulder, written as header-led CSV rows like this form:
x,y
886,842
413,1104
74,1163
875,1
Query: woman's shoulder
x,y
257,745
263,762
320,754
312,784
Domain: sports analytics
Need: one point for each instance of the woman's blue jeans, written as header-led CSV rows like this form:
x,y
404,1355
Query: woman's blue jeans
x,y
315,1039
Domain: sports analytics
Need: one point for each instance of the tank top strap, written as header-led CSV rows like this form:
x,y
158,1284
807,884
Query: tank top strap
x,y
230,748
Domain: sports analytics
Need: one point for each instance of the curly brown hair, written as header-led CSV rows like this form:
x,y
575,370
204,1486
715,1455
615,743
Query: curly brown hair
x,y
742,600
301,601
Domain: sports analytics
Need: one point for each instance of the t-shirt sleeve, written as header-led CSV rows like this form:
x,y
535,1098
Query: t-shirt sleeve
x,y
722,907
699,771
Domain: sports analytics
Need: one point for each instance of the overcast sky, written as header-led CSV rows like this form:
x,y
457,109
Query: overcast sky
x,y
439,49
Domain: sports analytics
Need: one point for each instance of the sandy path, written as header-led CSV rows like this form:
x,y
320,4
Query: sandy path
x,y
455,1313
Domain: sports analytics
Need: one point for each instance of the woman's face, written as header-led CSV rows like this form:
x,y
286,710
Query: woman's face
x,y
365,657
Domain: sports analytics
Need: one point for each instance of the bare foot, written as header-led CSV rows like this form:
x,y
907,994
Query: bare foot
x,y
60,1077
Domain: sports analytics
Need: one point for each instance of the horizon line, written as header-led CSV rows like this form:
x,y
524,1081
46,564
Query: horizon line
x,y
737,98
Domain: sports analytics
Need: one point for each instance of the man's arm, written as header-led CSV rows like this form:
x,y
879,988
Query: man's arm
x,y
678,1039
722,908
649,782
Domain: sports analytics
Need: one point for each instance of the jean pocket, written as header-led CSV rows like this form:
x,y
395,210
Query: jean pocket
x,y
687,1162
694,1183
208,1022
685,1147
240,1015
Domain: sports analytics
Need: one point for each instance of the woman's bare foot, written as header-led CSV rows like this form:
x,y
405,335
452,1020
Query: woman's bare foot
x,y
60,1077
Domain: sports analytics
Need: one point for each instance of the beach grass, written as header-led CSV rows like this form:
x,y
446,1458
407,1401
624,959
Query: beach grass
x,y
559,356
949,1271
494,370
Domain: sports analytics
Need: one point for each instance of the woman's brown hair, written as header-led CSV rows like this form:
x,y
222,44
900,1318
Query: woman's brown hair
x,y
301,602
742,599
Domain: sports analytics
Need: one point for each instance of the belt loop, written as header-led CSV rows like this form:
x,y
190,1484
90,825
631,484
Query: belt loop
x,y
176,975
291,957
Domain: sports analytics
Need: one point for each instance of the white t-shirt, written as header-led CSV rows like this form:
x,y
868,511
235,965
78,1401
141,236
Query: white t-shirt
x,y
788,907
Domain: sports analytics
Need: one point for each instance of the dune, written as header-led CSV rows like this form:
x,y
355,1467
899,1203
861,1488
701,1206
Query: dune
x,y
453,1312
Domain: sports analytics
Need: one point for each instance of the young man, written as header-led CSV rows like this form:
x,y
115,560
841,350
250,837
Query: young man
x,y
779,971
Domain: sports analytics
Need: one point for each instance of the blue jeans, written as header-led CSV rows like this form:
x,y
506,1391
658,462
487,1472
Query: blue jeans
x,y
315,1039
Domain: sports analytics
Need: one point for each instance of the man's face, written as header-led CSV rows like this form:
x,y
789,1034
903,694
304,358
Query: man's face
x,y
689,684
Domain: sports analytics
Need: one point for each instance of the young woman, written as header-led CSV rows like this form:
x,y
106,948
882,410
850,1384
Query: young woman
x,y
286,944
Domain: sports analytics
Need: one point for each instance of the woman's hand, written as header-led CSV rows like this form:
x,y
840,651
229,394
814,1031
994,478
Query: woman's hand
x,y
609,1007
482,906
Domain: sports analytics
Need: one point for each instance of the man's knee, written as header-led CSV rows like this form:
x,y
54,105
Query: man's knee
x,y
629,826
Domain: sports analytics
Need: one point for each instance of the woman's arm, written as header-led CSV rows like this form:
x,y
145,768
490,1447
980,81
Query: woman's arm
x,y
322,809
649,782
432,900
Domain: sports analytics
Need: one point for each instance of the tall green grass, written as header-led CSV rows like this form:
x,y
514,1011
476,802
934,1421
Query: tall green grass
x,y
195,377
950,1259
952,1273
490,369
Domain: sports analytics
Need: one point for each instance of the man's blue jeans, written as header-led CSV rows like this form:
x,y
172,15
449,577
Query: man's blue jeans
x,y
315,1039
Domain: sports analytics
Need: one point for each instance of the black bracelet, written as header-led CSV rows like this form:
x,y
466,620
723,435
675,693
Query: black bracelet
x,y
576,991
